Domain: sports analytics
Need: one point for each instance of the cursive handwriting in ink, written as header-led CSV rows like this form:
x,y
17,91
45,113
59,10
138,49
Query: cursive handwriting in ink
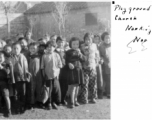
x,y
136,9
118,7
141,28
136,40
126,18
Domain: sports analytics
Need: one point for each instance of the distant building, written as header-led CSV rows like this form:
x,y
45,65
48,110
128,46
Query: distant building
x,y
82,17
17,19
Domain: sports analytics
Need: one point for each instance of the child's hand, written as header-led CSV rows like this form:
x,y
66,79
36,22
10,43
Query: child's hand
x,y
101,61
29,74
71,66
1,67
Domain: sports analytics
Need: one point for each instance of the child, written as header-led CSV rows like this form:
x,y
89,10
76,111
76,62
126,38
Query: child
x,y
74,71
8,59
105,50
62,76
96,40
6,78
23,44
28,36
47,37
50,65
89,71
21,74
42,41
34,69
53,40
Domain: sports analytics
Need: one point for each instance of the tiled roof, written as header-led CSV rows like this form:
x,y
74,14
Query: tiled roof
x,y
46,7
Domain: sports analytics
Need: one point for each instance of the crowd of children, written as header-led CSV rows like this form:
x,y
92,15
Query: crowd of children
x,y
71,73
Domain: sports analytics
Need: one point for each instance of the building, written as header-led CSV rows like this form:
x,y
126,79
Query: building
x,y
82,17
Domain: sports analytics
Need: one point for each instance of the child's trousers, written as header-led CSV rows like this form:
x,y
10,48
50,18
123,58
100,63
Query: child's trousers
x,y
89,86
21,91
54,90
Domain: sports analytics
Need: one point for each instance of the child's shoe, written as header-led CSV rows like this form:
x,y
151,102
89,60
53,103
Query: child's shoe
x,y
84,102
77,104
54,106
9,114
49,106
93,100
71,106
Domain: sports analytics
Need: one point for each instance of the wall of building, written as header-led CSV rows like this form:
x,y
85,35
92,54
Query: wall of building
x,y
75,22
18,24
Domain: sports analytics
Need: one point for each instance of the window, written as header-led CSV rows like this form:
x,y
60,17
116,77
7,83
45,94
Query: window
x,y
90,19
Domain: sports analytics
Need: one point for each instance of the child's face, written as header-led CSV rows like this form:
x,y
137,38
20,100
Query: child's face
x,y
82,47
88,40
96,40
33,49
50,48
86,51
107,39
28,35
23,43
17,49
75,45
47,38
60,44
54,38
2,58
8,49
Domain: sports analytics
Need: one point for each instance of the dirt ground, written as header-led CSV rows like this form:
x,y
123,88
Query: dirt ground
x,y
100,110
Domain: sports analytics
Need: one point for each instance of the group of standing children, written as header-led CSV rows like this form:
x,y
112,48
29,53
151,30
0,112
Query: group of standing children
x,y
74,74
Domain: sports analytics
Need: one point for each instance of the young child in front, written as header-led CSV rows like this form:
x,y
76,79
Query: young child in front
x,y
34,69
51,65
90,74
21,74
6,78
75,77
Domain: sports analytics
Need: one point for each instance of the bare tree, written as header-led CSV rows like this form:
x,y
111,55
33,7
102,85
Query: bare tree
x,y
7,8
60,13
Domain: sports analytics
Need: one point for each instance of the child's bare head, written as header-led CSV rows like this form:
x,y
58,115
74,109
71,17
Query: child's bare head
x,y
16,48
33,48
96,39
106,37
88,38
50,47
74,43
8,48
22,42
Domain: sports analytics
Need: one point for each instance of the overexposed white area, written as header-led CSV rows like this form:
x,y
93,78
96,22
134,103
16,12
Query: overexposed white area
x,y
131,73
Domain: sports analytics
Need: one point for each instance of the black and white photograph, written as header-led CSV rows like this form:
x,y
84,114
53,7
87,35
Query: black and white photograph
x,y
55,60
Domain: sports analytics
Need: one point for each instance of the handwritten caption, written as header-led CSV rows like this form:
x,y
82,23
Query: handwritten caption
x,y
146,29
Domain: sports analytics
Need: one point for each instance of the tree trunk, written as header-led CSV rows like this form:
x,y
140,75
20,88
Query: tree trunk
x,y
8,26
